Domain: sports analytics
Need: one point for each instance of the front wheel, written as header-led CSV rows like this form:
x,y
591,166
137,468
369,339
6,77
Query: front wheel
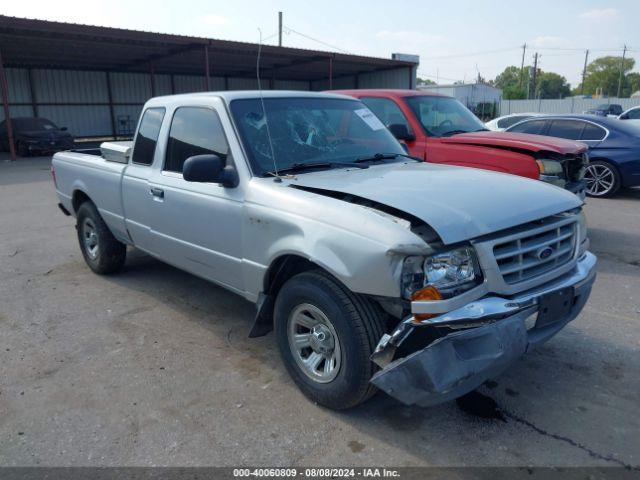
x,y
100,249
326,335
603,180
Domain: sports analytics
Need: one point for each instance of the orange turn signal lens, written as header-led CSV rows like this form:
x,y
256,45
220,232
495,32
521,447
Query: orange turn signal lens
x,y
425,294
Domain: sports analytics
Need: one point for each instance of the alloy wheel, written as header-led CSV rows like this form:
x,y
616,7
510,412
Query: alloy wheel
x,y
600,180
314,343
90,238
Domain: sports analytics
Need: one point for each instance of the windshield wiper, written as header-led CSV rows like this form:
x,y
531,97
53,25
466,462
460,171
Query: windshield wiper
x,y
453,132
301,167
456,132
385,156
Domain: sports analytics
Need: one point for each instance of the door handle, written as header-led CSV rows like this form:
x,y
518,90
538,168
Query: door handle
x,y
157,192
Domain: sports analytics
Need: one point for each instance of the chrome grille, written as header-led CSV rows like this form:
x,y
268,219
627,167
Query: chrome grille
x,y
531,254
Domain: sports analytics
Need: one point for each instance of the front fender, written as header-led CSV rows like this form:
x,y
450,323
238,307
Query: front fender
x,y
362,263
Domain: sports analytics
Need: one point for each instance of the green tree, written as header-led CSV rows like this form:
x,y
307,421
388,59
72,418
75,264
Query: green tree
x,y
512,82
425,81
603,75
633,82
552,85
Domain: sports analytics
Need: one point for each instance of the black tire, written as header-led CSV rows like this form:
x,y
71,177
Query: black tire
x,y
358,324
593,189
109,254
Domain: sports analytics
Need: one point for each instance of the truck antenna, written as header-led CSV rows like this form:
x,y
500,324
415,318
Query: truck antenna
x,y
264,111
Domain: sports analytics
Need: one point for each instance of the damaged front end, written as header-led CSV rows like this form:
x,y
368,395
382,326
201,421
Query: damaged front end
x,y
564,171
478,340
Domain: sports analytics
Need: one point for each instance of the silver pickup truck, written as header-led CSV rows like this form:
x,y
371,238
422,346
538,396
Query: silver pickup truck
x,y
373,268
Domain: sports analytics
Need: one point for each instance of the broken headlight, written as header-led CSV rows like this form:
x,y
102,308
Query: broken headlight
x,y
450,273
551,171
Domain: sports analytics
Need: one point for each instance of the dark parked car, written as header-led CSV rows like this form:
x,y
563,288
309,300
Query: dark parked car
x,y
605,109
35,136
614,148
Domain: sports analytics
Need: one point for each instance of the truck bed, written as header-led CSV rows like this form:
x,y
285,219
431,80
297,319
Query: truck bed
x,y
92,175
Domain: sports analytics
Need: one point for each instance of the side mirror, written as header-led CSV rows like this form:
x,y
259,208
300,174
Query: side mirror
x,y
209,169
401,132
624,117
64,129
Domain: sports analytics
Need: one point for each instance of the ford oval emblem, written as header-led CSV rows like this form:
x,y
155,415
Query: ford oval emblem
x,y
544,252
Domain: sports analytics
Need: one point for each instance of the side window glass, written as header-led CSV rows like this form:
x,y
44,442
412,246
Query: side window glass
x,y
194,131
387,111
634,114
535,127
569,129
147,137
507,122
592,132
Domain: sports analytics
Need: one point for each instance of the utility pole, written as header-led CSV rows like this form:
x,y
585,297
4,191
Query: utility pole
x,y
624,53
524,50
584,71
279,29
535,72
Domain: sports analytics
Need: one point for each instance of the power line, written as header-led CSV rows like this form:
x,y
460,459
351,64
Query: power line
x,y
437,77
288,29
473,54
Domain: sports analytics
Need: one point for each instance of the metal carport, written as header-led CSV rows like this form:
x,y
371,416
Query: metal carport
x,y
87,74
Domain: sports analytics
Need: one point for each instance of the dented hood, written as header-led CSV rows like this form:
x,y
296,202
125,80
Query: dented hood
x,y
519,141
459,203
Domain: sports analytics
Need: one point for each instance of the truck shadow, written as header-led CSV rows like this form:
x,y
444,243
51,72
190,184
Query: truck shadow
x,y
553,384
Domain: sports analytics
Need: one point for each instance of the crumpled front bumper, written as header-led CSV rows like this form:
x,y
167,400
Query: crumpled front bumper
x,y
461,361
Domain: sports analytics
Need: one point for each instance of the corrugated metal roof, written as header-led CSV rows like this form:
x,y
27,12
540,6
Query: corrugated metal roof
x,y
46,44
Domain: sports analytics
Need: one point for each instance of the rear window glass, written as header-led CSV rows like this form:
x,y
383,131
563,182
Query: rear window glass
x,y
592,132
147,137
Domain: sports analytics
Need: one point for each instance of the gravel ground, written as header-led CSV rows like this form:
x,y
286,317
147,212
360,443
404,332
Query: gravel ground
x,y
153,367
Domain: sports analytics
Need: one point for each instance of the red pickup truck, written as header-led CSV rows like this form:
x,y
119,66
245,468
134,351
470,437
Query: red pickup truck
x,y
440,129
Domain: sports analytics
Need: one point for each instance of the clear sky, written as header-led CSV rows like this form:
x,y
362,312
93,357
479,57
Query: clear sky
x,y
455,39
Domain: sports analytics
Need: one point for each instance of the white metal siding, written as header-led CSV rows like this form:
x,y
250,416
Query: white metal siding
x,y
18,82
339,83
70,86
564,106
79,99
291,85
247,83
162,84
81,120
396,78
17,111
130,87
188,83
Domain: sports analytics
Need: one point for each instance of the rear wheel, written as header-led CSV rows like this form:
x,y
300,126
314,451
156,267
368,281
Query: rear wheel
x,y
326,335
100,249
603,180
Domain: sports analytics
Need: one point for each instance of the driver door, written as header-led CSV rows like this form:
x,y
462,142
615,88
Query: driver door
x,y
197,226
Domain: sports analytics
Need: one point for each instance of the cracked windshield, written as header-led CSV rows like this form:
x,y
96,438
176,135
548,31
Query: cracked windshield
x,y
309,131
